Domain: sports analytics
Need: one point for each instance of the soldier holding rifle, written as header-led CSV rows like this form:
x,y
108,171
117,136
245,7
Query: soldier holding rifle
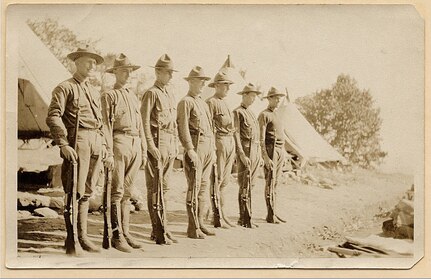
x,y
196,135
158,110
272,145
222,119
75,120
127,150
248,152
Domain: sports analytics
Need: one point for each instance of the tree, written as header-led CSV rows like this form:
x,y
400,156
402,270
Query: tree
x,y
346,117
59,39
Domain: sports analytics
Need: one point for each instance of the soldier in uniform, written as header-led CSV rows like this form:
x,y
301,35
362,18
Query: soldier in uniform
x,y
69,97
272,145
196,135
247,150
222,119
127,149
158,111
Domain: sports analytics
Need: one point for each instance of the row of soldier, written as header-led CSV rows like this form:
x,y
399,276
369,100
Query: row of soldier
x,y
114,130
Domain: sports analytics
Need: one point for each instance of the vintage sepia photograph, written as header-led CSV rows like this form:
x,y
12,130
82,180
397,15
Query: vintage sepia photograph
x,y
214,136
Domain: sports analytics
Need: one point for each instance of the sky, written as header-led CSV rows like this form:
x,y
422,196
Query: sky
x,y
299,47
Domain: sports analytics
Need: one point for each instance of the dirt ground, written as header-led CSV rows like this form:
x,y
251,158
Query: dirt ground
x,y
316,218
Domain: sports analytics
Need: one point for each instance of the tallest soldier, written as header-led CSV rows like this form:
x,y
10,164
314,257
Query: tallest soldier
x,y
82,142
159,115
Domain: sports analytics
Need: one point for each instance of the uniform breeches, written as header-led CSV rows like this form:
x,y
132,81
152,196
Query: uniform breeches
x,y
127,160
198,179
225,146
252,152
273,175
89,147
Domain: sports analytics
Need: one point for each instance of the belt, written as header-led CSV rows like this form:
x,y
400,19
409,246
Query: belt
x,y
193,133
224,134
126,133
277,142
88,129
251,140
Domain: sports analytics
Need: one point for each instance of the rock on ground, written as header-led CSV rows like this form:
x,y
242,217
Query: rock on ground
x,y
45,212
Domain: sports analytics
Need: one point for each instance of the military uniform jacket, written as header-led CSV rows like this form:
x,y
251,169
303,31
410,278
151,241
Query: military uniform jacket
x,y
121,114
246,128
66,98
194,118
158,111
271,128
221,116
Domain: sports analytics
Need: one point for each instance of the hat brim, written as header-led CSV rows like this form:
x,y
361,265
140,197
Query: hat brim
x,y
204,78
246,92
212,84
77,54
173,70
278,94
132,67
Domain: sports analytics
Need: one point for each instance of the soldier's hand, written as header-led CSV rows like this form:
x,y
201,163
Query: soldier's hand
x,y
245,160
268,162
144,162
104,152
69,153
109,162
155,153
193,156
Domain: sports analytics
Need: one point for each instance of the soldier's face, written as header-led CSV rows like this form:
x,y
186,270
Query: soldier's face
x,y
196,85
85,66
222,89
122,75
274,101
164,75
249,98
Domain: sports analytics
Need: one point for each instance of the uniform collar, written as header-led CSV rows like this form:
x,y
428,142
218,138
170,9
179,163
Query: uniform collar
x,y
79,78
243,106
159,85
271,109
117,87
194,96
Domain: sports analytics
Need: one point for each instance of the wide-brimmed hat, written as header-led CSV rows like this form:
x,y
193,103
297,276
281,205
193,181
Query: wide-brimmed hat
x,y
197,72
250,88
274,92
165,62
122,62
221,77
87,51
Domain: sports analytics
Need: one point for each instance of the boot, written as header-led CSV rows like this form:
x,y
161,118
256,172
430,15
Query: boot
x,y
118,241
270,218
83,238
201,213
125,220
192,230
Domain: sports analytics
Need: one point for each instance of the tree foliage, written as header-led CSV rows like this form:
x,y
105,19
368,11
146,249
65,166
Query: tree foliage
x,y
59,39
347,118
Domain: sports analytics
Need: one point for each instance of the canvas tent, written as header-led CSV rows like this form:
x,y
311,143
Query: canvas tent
x,y
302,139
39,71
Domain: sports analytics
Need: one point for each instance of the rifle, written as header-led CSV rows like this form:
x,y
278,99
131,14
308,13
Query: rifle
x,y
215,197
194,207
71,220
246,197
157,199
107,226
